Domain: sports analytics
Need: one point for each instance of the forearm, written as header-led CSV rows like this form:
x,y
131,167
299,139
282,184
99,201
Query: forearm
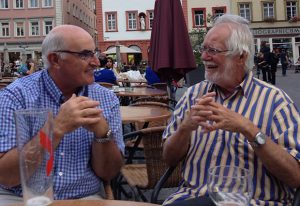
x,y
176,146
107,159
277,161
9,168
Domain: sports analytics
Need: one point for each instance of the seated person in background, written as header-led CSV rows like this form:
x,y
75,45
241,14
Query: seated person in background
x,y
110,64
87,132
125,67
104,74
151,76
27,68
234,119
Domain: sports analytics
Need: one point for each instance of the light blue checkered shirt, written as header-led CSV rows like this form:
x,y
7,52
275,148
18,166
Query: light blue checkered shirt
x,y
72,171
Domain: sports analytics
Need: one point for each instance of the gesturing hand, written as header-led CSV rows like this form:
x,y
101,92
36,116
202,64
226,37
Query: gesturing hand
x,y
76,112
199,113
226,119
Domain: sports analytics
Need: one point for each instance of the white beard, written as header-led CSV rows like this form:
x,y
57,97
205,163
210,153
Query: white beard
x,y
220,78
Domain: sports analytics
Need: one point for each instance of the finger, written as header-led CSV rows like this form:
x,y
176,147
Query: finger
x,y
205,100
87,104
90,112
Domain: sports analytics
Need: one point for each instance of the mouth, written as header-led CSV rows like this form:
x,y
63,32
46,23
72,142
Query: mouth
x,y
210,65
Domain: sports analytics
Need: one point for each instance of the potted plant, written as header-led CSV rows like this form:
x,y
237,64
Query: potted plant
x,y
294,19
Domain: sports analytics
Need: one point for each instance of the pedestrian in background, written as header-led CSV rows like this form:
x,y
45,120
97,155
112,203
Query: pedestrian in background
x,y
284,61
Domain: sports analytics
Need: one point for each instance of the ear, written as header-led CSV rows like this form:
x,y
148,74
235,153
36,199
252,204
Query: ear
x,y
243,57
53,59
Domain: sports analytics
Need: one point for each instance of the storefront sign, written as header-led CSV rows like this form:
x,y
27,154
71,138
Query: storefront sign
x,y
276,31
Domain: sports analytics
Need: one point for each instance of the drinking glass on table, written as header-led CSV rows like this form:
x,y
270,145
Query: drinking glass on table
x,y
34,139
230,186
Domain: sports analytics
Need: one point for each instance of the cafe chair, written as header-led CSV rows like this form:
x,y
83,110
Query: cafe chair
x,y
145,176
106,84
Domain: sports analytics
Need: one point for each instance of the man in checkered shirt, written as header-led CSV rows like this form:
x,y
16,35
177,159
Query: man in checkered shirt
x,y
87,133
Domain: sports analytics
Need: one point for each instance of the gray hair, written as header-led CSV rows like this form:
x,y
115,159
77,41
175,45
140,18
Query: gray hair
x,y
52,42
241,39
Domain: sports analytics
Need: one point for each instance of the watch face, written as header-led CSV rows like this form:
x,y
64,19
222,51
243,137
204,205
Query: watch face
x,y
261,139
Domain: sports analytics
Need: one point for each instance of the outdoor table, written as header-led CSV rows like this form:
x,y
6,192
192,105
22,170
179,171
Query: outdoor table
x,y
127,82
141,92
126,96
6,80
143,114
96,203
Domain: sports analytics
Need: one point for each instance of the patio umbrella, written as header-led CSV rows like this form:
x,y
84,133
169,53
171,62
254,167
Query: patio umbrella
x,y
123,49
171,54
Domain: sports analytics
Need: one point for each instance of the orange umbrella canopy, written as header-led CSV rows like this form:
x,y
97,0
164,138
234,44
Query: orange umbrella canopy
x,y
171,54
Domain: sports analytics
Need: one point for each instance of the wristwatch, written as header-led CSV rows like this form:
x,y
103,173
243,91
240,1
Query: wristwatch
x,y
106,138
260,139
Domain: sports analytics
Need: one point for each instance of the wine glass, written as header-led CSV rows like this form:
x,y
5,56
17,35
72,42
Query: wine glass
x,y
230,186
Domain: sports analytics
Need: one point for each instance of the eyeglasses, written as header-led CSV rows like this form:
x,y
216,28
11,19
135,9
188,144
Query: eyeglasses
x,y
85,54
210,50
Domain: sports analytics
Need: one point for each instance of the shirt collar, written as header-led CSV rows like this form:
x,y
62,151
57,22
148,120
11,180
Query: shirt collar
x,y
244,86
55,92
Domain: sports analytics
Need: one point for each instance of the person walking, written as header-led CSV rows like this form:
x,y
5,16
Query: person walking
x,y
284,61
274,59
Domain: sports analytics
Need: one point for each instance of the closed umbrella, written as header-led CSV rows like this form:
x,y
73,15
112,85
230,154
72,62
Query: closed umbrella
x,y
123,49
171,54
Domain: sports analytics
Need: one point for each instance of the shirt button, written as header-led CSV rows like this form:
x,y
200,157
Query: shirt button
x,y
62,154
60,173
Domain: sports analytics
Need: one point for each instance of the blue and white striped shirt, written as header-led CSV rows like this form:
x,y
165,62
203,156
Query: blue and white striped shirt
x,y
72,171
267,107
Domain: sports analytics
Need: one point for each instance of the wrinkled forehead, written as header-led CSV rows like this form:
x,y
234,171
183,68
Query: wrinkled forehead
x,y
218,35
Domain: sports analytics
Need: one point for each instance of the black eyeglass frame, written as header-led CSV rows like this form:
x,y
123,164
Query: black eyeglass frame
x,y
85,54
211,50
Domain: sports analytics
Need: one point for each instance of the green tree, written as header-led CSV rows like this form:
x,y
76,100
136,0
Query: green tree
x,y
197,37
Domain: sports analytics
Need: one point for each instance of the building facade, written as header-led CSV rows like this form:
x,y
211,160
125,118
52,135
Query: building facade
x,y
128,24
275,21
25,23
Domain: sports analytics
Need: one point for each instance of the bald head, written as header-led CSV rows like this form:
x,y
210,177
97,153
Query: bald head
x,y
62,38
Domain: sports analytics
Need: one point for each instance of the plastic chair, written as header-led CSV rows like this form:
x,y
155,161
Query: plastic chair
x,y
145,176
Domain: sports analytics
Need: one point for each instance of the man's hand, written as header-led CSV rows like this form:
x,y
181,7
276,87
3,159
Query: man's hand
x,y
198,116
226,119
76,112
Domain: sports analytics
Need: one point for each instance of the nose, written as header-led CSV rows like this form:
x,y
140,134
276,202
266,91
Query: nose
x,y
205,56
94,61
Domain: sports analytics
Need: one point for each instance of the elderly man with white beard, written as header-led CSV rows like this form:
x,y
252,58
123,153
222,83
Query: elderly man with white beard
x,y
233,119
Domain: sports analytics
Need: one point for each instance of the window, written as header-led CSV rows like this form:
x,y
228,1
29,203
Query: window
x,y
19,29
245,11
48,25
150,18
34,28
111,21
268,9
218,11
33,3
19,4
4,29
131,20
47,3
199,17
291,9
3,4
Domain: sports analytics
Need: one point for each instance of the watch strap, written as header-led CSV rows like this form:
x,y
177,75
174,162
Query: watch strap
x,y
106,138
